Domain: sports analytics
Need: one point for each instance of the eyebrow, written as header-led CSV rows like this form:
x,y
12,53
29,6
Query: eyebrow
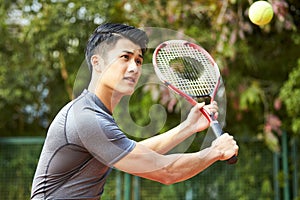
x,y
131,52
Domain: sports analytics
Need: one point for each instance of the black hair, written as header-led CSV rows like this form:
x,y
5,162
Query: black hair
x,y
110,33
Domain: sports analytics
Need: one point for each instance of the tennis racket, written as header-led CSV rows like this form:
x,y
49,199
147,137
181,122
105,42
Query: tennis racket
x,y
191,72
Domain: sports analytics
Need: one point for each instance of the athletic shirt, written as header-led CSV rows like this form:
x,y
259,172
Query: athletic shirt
x,y
82,144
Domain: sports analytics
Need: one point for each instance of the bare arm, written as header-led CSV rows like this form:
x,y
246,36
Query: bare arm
x,y
169,169
195,122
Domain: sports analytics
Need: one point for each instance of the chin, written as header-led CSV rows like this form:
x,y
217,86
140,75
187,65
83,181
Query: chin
x,y
127,92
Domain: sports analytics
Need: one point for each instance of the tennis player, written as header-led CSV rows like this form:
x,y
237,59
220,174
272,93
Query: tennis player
x,y
84,142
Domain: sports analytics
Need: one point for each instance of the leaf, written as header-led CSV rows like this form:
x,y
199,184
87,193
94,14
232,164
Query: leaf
x,y
251,96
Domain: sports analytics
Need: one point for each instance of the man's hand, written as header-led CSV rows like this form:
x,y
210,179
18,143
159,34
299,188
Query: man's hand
x,y
226,146
196,120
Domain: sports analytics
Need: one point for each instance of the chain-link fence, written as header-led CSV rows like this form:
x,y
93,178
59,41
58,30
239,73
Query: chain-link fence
x,y
259,174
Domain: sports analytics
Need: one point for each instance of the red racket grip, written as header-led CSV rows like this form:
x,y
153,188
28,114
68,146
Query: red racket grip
x,y
218,132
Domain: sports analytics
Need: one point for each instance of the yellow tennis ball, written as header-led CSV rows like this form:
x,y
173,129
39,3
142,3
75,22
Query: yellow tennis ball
x,y
260,12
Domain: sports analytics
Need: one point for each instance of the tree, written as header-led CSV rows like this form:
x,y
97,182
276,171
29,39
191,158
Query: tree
x,y
42,53
255,61
43,44
42,49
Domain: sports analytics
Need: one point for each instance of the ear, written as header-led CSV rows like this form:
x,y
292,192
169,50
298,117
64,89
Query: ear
x,y
97,62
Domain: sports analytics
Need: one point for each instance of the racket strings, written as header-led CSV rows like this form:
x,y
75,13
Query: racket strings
x,y
191,69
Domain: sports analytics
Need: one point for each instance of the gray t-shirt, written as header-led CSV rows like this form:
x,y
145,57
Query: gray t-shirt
x,y
82,144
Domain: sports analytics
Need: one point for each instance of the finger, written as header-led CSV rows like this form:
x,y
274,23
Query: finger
x,y
216,115
211,108
224,134
214,103
200,105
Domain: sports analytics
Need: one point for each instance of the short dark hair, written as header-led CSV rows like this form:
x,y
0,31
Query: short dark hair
x,y
110,33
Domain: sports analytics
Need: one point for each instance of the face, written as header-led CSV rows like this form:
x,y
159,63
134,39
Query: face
x,y
122,68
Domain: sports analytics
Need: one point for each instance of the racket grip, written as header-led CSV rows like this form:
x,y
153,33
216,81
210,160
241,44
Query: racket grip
x,y
218,132
232,160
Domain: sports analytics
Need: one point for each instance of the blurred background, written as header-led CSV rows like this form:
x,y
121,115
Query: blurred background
x,y
42,49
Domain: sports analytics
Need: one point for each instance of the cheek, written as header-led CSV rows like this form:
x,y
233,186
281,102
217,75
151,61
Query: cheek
x,y
115,70
114,74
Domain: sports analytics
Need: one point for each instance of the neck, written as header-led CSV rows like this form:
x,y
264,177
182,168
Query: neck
x,y
108,96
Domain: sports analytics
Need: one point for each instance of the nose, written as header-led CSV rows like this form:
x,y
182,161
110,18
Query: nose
x,y
132,67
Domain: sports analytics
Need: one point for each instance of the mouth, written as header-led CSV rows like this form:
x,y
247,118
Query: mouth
x,y
130,79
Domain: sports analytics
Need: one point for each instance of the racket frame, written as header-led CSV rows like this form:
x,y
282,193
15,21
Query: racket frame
x,y
214,124
189,98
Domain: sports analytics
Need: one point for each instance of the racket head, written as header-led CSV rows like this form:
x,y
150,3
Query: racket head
x,y
187,67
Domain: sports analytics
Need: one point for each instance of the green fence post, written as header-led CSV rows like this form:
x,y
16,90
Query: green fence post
x,y
295,168
136,188
275,176
118,185
127,186
285,166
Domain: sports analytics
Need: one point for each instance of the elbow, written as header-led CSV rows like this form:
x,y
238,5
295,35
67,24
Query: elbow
x,y
168,178
167,182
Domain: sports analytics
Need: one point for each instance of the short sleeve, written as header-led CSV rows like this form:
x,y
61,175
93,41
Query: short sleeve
x,y
101,136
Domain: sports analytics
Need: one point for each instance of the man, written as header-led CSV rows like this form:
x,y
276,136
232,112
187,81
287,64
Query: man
x,y
84,143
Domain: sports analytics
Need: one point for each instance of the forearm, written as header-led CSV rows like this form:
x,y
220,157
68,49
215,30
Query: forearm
x,y
168,169
188,165
165,142
195,122
180,167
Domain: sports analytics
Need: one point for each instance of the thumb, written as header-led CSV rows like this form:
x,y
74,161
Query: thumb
x,y
200,105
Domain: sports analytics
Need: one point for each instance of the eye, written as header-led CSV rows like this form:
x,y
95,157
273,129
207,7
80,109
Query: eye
x,y
139,62
125,56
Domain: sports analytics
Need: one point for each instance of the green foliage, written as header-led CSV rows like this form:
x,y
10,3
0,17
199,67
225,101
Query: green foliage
x,y
141,117
167,192
251,97
290,95
45,44
42,48
18,163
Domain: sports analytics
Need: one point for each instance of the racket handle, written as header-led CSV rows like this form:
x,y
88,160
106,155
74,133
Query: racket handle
x,y
232,160
218,132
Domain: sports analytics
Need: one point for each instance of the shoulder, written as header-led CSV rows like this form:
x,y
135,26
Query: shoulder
x,y
89,115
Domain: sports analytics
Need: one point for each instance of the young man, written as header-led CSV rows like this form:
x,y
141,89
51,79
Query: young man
x,y
83,142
